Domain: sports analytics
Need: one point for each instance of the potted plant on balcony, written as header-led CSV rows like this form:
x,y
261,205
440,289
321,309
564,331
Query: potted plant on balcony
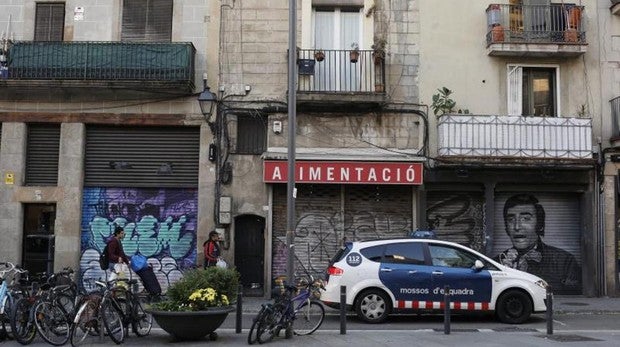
x,y
197,304
378,50
319,56
354,53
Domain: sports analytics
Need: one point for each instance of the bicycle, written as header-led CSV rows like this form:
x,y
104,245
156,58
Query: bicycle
x,y
89,317
7,296
23,326
128,305
53,311
301,314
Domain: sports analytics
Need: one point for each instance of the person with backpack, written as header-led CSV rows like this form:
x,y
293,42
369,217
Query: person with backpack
x,y
211,249
116,256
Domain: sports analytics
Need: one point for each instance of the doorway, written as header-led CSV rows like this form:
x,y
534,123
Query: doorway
x,y
38,237
250,253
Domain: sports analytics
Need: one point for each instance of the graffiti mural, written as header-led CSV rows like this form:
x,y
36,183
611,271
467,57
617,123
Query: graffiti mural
x,y
159,224
318,236
457,217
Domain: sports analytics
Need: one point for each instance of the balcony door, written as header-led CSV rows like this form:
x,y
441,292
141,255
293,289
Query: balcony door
x,y
533,91
337,31
536,19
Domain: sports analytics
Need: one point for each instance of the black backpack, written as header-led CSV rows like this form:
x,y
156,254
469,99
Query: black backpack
x,y
104,259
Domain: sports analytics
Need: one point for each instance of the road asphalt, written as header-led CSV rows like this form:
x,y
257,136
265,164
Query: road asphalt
x,y
507,337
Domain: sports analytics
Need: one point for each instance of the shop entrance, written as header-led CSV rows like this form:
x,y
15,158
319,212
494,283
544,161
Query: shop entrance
x,y
38,237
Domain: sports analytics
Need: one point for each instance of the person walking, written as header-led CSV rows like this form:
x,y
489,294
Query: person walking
x,y
118,259
211,250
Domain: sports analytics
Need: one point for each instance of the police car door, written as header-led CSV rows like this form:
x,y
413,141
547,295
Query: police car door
x,y
402,271
454,267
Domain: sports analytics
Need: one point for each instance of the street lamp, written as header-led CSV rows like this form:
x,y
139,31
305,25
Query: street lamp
x,y
207,101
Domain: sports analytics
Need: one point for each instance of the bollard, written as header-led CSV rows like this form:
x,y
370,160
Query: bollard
x,y
446,310
549,312
239,309
343,309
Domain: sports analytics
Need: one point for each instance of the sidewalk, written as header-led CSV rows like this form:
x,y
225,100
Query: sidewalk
x,y
561,305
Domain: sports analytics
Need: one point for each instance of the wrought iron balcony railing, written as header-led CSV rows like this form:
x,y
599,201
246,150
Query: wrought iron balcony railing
x,y
555,23
335,71
101,61
515,137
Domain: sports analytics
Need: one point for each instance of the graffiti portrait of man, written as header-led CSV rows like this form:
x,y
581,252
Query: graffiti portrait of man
x,y
524,219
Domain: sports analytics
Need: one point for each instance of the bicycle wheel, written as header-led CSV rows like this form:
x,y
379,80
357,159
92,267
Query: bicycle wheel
x,y
113,322
308,318
22,326
141,321
52,323
253,335
5,317
268,326
85,323
67,303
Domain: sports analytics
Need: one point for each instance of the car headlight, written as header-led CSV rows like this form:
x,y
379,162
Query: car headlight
x,y
542,284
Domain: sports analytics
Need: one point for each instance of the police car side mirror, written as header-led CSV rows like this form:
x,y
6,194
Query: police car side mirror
x,y
478,265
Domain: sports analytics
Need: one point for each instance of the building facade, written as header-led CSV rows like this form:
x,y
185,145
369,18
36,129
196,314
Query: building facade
x,y
101,127
409,115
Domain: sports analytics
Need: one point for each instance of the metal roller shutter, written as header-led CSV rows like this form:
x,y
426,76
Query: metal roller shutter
x,y
142,156
42,154
318,227
457,217
562,225
376,212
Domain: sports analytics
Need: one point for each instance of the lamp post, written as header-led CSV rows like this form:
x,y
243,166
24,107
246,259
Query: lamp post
x,y
207,100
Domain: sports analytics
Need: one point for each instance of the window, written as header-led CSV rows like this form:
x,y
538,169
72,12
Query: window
x,y
251,135
373,253
404,253
532,91
451,257
337,29
49,23
147,20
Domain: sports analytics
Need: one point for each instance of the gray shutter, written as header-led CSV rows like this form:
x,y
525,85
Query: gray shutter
x,y
42,154
318,227
147,20
457,216
377,211
142,156
49,22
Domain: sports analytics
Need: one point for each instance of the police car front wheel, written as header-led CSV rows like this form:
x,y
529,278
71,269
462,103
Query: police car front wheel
x,y
514,307
373,306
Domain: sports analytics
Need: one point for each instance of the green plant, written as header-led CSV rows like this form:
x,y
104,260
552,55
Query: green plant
x,y
442,103
378,48
200,289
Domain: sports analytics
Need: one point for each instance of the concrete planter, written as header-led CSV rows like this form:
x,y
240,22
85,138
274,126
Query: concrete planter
x,y
193,325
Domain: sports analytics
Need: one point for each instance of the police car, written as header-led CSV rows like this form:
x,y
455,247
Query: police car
x,y
404,275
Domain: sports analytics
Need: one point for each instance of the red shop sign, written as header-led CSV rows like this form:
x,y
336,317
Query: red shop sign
x,y
345,172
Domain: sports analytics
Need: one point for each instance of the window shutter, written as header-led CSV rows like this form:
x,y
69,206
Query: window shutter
x,y
251,135
49,22
43,145
147,20
515,90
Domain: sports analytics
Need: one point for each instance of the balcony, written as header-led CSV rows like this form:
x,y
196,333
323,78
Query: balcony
x,y
76,68
510,139
332,79
555,30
